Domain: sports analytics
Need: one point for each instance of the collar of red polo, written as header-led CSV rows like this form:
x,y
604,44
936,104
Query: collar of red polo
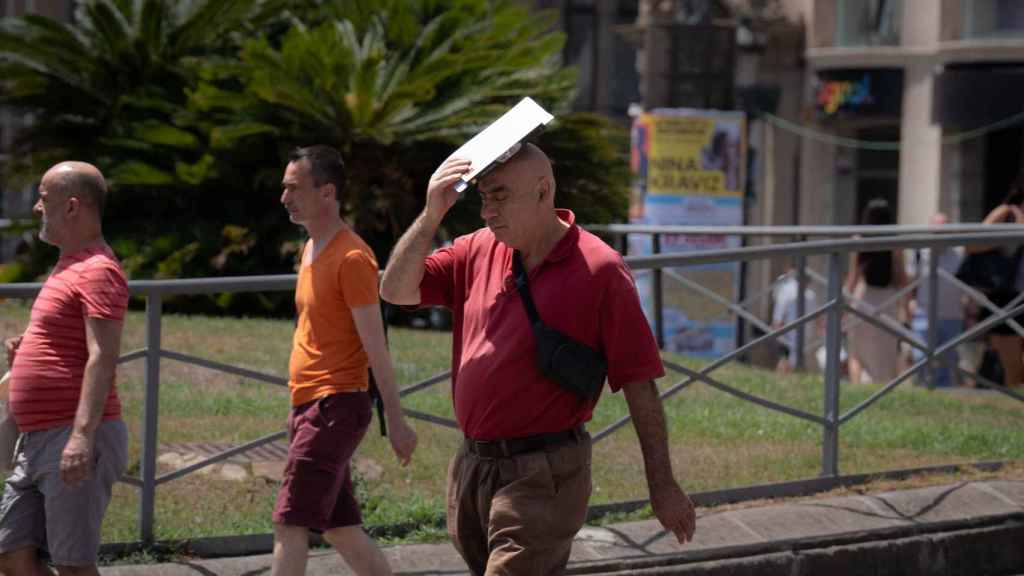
x,y
567,243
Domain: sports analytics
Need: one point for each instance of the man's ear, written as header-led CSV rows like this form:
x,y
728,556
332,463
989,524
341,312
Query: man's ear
x,y
327,191
544,189
73,206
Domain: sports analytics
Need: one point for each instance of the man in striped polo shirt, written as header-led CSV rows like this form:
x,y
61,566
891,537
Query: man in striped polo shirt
x,y
74,444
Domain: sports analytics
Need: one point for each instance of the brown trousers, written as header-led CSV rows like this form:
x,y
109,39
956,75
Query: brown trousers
x,y
517,516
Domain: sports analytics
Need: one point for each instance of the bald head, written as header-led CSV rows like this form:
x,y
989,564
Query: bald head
x,y
528,167
80,180
532,160
939,219
518,200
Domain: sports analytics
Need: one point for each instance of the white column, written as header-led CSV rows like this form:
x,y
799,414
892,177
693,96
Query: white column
x,y
921,141
920,147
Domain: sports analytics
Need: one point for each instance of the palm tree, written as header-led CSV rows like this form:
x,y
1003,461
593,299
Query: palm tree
x,y
113,88
190,107
396,85
114,80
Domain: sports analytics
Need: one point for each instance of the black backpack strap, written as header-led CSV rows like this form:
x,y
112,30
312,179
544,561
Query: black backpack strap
x,y
375,397
523,284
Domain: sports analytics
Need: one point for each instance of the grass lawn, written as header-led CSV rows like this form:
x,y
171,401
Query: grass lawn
x,y
717,441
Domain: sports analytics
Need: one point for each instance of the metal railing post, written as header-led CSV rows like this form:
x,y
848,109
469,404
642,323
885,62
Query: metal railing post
x,y
147,500
933,315
624,244
833,343
659,317
801,307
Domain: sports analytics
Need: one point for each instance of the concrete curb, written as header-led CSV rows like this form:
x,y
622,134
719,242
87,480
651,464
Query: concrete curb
x,y
966,528
251,544
985,546
994,550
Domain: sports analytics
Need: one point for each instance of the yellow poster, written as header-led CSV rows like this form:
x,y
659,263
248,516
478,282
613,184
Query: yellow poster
x,y
689,168
693,156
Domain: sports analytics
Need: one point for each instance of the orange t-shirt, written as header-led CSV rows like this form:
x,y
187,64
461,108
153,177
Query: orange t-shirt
x,y
327,353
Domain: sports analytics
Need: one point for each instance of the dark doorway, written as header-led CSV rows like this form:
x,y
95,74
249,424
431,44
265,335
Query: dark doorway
x,y
1004,160
878,171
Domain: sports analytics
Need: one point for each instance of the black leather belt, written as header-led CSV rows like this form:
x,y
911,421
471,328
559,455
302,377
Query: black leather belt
x,y
517,446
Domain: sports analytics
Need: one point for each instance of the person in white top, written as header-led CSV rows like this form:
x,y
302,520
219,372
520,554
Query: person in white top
x,y
784,311
948,308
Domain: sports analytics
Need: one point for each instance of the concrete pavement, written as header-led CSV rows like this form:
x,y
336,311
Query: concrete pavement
x,y
944,529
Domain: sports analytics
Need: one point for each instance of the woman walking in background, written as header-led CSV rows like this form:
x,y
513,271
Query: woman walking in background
x,y
872,280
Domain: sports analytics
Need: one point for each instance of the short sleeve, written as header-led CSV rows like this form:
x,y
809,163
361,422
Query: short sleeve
x,y
626,336
358,279
438,285
103,290
778,302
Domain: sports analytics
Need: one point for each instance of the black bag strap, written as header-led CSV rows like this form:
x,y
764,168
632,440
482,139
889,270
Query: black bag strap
x,y
523,285
375,397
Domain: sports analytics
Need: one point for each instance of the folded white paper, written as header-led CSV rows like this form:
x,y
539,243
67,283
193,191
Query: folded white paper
x,y
500,140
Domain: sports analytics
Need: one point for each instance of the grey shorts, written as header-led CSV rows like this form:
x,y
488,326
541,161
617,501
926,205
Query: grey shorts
x,y
39,511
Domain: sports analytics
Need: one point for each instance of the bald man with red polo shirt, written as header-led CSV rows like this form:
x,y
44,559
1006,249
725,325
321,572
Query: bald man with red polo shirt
x,y
519,485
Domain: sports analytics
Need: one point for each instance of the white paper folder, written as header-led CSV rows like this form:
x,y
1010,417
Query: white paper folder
x,y
500,140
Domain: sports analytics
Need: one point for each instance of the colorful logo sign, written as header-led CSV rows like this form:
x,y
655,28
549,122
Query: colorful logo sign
x,y
834,95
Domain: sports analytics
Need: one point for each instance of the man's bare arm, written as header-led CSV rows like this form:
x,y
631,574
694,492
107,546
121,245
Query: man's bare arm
x,y
370,327
103,340
402,277
401,282
11,346
670,503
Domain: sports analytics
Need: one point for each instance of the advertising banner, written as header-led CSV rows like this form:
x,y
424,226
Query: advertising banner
x,y
689,168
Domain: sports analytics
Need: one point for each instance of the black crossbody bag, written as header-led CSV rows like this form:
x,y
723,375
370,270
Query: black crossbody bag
x,y
575,366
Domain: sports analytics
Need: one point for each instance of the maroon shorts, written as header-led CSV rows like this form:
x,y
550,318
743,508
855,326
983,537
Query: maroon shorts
x,y
316,491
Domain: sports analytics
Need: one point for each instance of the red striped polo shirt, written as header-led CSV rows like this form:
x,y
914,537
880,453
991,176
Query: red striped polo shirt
x,y
46,379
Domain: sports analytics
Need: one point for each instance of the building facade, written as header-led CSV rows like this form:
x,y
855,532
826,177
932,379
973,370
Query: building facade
x,y
942,78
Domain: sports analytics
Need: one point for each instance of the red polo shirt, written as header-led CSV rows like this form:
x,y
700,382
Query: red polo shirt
x,y
583,289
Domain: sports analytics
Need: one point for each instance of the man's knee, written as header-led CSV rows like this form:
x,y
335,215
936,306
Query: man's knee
x,y
12,564
20,562
289,535
345,537
77,571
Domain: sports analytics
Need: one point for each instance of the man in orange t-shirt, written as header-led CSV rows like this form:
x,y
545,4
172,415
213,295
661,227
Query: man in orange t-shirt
x,y
339,335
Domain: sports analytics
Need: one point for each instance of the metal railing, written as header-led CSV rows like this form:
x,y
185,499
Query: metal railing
x,y
804,274
836,251
154,291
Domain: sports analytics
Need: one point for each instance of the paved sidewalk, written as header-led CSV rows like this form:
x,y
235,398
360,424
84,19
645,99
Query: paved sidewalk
x,y
720,535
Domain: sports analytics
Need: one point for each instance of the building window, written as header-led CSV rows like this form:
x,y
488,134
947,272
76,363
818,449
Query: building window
x,y
581,49
625,82
993,18
869,22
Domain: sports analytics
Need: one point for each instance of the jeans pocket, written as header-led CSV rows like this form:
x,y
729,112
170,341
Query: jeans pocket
x,y
570,465
323,417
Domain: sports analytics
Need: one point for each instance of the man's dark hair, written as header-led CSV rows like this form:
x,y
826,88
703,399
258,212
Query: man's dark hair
x,y
325,165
